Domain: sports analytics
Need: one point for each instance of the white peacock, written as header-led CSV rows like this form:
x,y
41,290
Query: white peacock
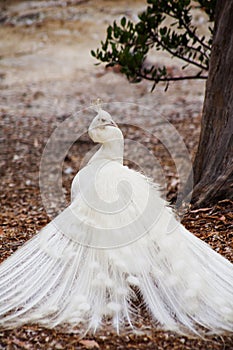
x,y
117,242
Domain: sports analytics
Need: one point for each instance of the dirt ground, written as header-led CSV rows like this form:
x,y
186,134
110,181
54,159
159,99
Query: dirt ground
x,y
48,80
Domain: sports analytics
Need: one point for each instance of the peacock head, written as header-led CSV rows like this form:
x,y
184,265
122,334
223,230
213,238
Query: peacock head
x,y
103,129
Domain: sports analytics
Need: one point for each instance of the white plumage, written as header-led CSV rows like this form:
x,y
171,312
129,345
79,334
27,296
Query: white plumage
x,y
118,244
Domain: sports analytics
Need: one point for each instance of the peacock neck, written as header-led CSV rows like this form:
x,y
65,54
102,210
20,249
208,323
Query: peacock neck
x,y
111,150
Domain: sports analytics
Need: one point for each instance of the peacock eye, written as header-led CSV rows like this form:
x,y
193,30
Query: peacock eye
x,y
103,120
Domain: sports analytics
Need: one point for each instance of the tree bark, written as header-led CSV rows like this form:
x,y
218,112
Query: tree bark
x,y
213,165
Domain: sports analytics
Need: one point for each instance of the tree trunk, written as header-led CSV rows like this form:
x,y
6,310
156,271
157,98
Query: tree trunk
x,y
213,165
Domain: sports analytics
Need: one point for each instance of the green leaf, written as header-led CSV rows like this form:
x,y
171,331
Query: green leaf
x,y
163,31
93,53
109,32
123,21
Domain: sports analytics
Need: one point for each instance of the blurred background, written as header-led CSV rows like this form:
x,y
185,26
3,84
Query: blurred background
x,y
46,66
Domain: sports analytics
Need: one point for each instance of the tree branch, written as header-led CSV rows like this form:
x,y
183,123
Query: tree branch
x,y
177,55
191,33
196,49
187,77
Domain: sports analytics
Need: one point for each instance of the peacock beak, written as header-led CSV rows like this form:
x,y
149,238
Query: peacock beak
x,y
111,123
